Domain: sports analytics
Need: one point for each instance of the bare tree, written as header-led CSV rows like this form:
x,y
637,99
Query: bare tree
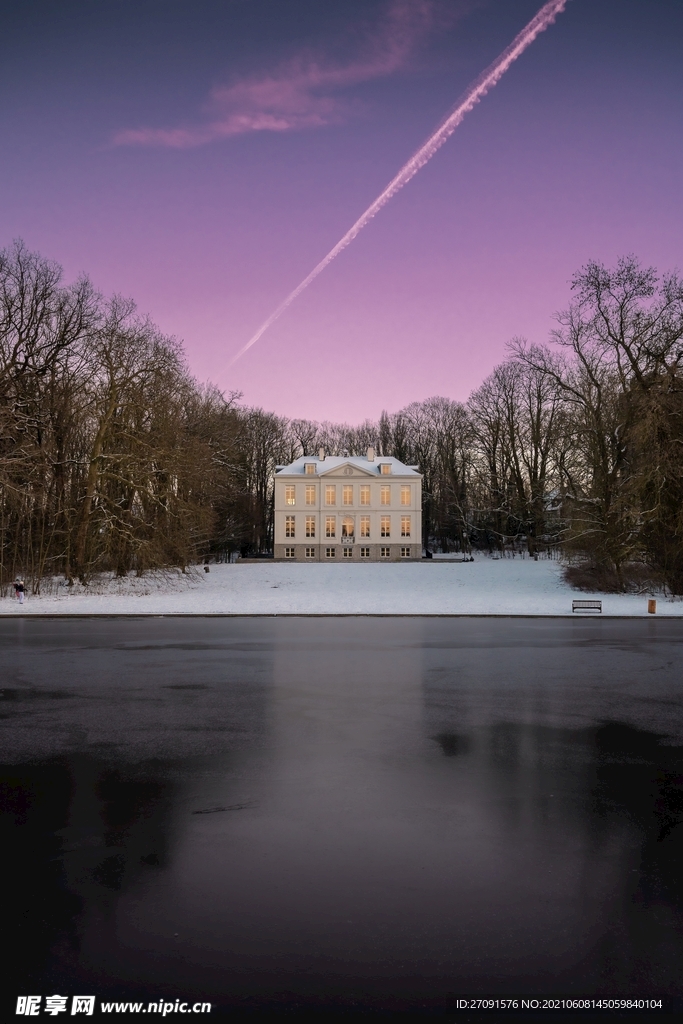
x,y
622,338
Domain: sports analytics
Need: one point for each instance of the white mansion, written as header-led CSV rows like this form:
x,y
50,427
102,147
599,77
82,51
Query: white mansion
x,y
358,507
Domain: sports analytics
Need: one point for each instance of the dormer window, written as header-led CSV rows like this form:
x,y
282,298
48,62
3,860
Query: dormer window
x,y
309,468
385,468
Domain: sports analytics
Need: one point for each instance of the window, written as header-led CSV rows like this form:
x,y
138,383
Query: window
x,y
290,495
385,468
405,526
330,524
330,495
347,494
309,468
310,552
365,526
365,552
310,494
330,552
310,526
347,552
347,527
289,552
289,526
385,495
365,494
405,552
385,526
405,495
385,552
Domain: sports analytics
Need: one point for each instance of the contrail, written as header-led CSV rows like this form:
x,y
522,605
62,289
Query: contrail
x,y
487,80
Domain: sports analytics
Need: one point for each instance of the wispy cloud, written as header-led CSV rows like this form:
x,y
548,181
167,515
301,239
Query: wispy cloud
x,y
303,93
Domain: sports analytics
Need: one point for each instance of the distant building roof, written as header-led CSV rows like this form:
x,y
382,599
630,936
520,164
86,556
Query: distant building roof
x,y
361,462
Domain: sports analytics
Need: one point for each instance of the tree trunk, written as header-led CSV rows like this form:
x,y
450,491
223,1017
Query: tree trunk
x,y
90,488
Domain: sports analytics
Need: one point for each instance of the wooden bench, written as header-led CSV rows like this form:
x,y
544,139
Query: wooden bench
x,y
586,606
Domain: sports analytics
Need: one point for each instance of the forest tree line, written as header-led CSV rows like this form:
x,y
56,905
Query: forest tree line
x,y
114,458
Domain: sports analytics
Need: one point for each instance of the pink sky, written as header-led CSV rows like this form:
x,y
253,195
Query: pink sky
x,y
205,167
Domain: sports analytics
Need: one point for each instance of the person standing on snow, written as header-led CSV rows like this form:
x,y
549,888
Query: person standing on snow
x,y
19,590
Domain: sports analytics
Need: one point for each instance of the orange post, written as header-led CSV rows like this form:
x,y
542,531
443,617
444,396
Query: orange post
x,y
652,606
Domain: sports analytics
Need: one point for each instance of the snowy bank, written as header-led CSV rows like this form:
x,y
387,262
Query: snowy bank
x,y
440,587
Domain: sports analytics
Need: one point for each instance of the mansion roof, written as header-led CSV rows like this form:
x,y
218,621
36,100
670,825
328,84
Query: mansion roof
x,y
337,463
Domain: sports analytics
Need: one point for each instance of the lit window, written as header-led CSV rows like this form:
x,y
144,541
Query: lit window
x,y
330,526
290,495
365,494
330,552
348,552
405,552
347,527
405,526
385,552
289,526
365,526
330,495
405,495
365,552
347,494
310,494
385,468
310,552
309,468
385,495
310,526
385,526
289,552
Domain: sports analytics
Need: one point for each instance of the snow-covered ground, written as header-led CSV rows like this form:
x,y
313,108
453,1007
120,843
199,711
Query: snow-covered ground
x,y
440,587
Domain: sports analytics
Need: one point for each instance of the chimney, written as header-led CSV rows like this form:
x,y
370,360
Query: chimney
x,y
371,454
321,454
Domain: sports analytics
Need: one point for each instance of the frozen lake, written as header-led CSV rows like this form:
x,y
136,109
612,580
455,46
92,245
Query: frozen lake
x,y
327,813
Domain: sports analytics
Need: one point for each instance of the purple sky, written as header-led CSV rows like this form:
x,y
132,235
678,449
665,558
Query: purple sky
x,y
203,155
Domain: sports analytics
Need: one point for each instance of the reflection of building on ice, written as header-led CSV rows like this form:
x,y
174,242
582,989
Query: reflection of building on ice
x,y
357,508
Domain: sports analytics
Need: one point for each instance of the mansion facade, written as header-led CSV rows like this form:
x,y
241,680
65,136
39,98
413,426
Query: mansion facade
x,y
357,508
